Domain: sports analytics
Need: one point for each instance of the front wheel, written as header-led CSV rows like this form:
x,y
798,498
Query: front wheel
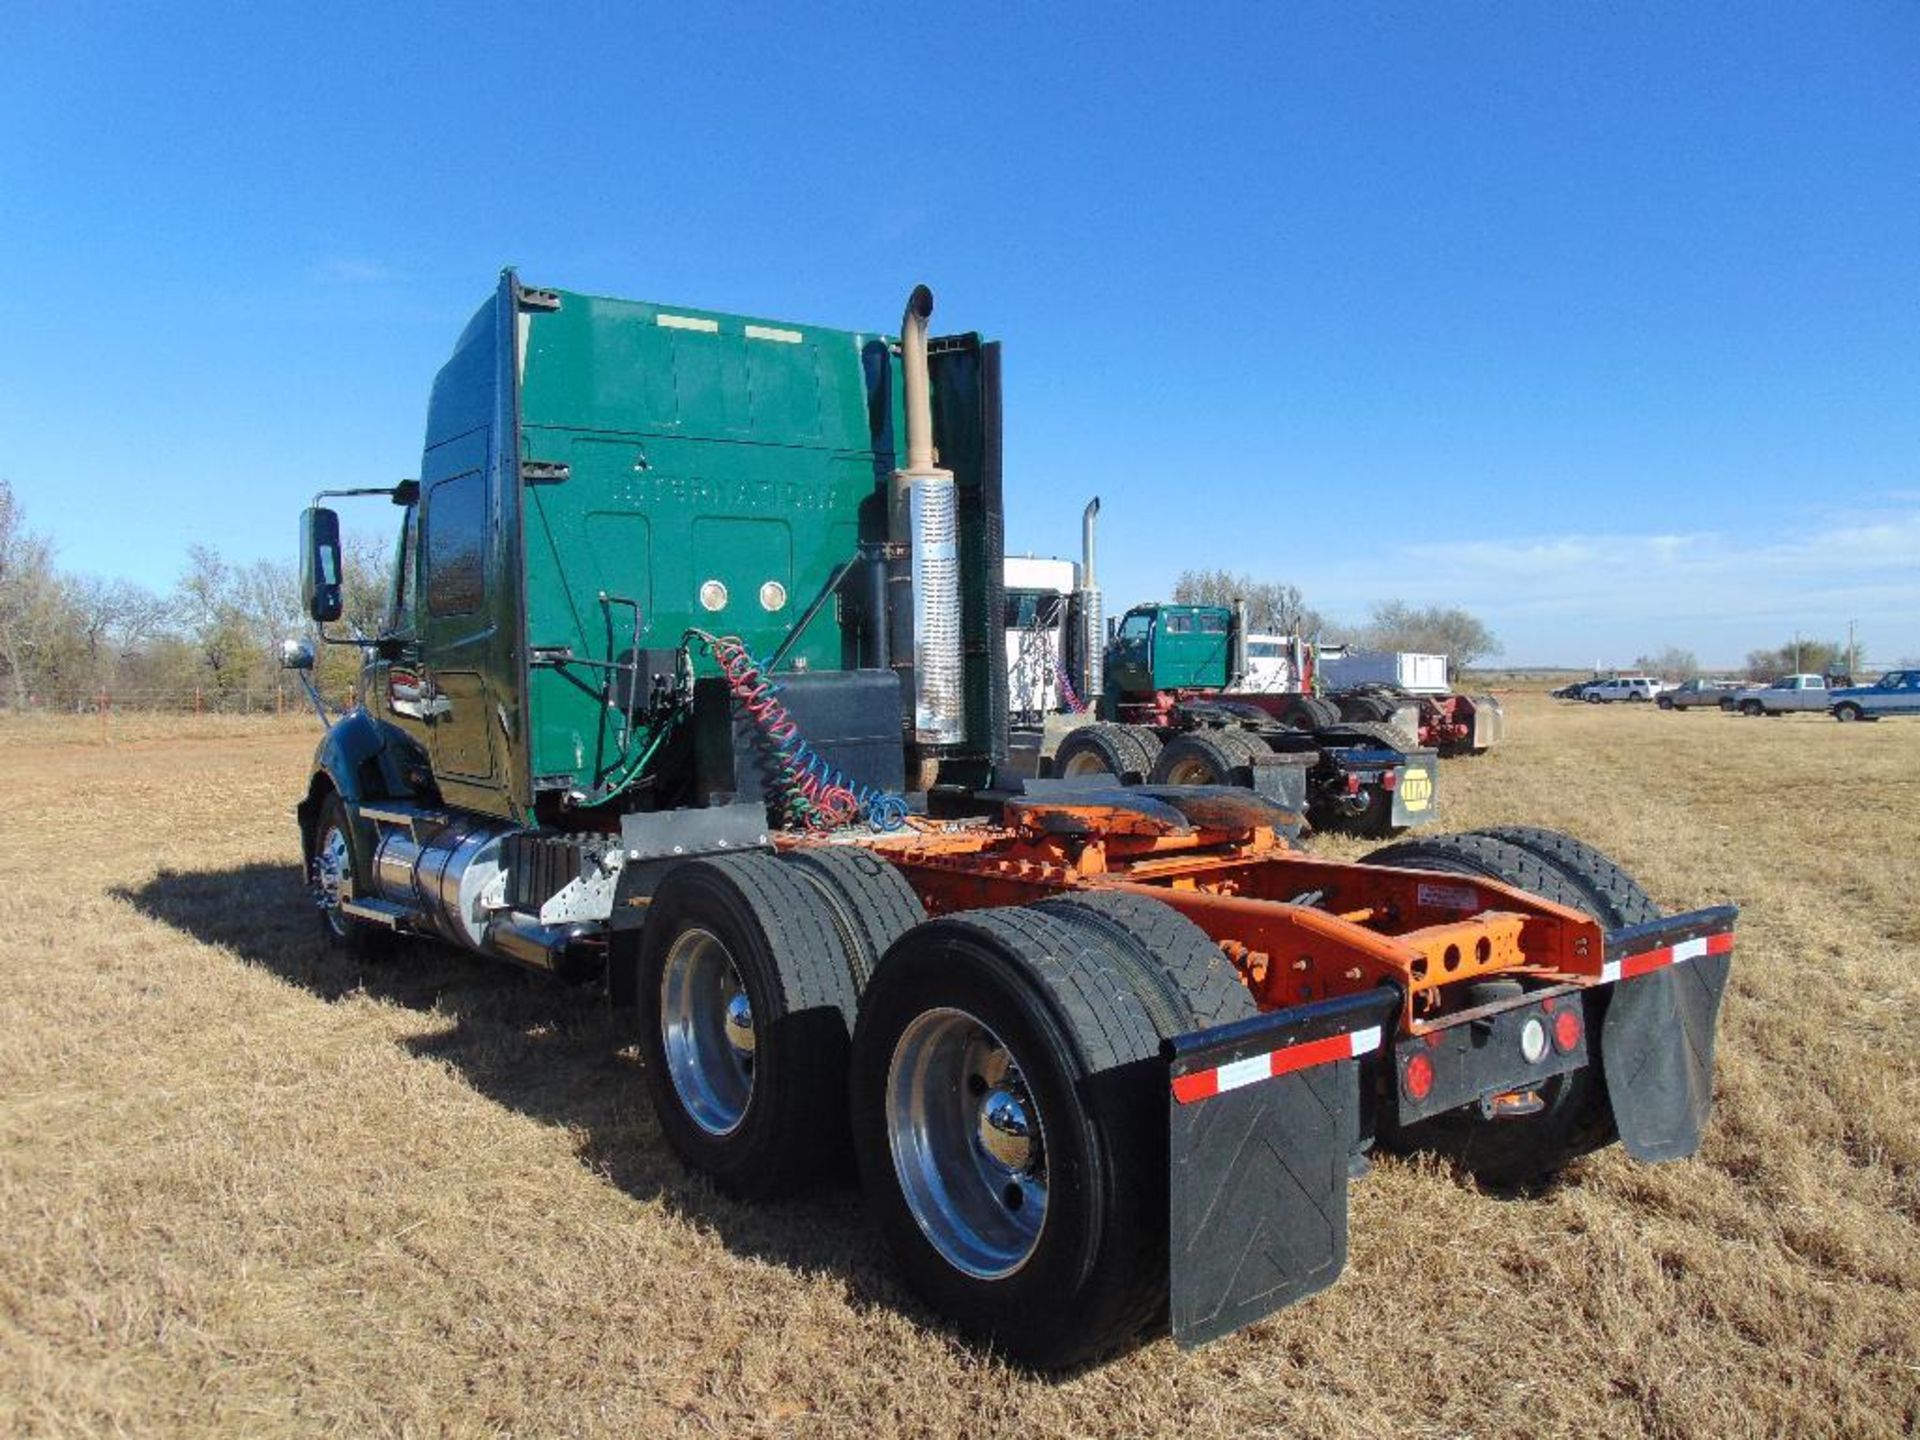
x,y
336,872
1664,703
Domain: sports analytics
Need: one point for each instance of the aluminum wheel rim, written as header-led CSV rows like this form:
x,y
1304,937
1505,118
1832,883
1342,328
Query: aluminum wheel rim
x,y
332,863
1085,762
707,1032
968,1142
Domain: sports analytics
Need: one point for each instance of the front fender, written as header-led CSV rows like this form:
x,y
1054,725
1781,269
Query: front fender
x,y
361,759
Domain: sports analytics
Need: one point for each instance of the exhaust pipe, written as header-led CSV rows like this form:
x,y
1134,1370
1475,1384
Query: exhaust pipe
x,y
1091,629
1087,517
923,583
913,375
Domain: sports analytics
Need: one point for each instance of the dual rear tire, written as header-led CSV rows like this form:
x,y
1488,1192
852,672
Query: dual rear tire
x,y
1126,752
992,1077
1009,1120
1575,1117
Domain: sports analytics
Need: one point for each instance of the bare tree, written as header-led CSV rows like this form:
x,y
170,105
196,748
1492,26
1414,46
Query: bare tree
x,y
1435,630
116,620
1272,606
1811,657
30,599
1671,663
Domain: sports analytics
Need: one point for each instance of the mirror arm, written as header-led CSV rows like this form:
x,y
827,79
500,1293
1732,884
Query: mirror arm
x,y
392,492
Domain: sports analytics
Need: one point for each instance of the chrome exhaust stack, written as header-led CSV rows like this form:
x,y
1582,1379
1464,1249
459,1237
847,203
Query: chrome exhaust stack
x,y
923,577
1089,627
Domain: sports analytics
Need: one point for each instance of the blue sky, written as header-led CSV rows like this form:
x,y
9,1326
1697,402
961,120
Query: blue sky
x,y
1602,321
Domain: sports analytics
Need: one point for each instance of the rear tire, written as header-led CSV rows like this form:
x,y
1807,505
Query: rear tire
x,y
1309,712
1752,707
1664,703
1576,1118
1847,712
1126,752
1004,1061
1389,737
746,1000
1367,707
872,903
1205,757
1169,952
1614,897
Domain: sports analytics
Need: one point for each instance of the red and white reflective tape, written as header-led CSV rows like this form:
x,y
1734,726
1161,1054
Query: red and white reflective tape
x,y
1204,1084
1628,966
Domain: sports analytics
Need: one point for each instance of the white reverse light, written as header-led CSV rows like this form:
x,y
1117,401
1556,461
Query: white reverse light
x,y
1533,1040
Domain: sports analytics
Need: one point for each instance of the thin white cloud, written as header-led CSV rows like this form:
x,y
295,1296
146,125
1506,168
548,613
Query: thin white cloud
x,y
1574,595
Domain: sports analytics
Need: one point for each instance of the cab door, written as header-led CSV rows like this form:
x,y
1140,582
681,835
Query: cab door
x,y
459,639
1130,659
394,684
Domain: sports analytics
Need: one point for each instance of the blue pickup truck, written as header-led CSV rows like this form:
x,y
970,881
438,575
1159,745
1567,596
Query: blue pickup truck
x,y
1895,693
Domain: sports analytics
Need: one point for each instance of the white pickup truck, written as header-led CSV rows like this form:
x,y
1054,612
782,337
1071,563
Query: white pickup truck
x,y
1787,694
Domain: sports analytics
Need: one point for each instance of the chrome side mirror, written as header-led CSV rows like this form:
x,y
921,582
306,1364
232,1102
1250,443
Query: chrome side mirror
x,y
296,655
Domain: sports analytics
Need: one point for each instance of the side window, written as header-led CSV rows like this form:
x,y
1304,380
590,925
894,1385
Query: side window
x,y
406,562
1179,624
1135,627
456,544
1213,624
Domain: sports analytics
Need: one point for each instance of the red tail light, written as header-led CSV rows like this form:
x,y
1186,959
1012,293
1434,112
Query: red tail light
x,y
1353,784
1566,1030
1418,1076
1389,779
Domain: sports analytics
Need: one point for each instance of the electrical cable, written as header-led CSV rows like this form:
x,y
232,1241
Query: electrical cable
x,y
815,793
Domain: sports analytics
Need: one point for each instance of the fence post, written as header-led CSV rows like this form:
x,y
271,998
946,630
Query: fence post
x,y
104,702
196,702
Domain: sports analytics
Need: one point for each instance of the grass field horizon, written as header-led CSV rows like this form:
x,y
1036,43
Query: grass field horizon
x,y
248,1186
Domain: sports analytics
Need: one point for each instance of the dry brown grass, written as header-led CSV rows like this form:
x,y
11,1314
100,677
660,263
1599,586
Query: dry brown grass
x,y
246,1187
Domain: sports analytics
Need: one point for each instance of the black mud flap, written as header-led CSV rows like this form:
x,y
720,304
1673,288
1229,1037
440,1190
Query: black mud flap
x,y
1264,1119
1656,1044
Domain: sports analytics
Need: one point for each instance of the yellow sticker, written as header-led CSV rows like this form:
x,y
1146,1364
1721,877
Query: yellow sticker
x,y
1416,789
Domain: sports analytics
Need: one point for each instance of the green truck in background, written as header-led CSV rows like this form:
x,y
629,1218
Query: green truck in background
x,y
1168,715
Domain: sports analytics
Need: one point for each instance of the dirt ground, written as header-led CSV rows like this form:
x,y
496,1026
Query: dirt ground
x,y
247,1187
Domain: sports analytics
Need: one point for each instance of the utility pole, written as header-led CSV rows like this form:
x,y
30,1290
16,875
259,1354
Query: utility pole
x,y
1853,651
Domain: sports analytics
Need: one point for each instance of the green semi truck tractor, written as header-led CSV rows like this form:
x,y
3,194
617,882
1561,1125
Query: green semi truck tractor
x,y
1168,714
692,683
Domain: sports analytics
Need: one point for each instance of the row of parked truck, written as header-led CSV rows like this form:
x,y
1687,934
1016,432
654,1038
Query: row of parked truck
x,y
1191,695
1897,692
